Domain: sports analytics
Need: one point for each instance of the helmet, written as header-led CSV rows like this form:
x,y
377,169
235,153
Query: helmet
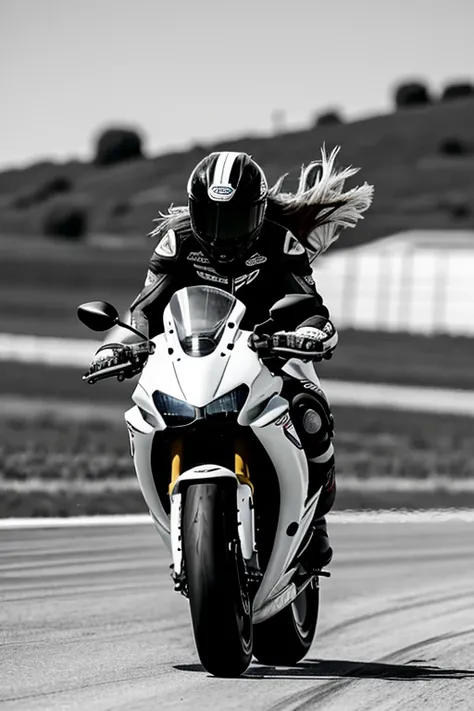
x,y
227,197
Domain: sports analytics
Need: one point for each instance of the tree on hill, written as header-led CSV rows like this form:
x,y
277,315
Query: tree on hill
x,y
457,90
412,94
453,146
116,145
332,117
65,218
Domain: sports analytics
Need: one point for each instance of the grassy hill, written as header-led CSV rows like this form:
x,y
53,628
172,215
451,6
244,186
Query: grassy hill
x,y
417,185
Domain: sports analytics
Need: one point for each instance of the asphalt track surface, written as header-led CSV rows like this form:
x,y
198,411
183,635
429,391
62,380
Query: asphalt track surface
x,y
89,620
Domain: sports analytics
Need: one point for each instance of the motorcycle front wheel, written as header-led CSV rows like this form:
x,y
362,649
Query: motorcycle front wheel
x,y
285,638
219,601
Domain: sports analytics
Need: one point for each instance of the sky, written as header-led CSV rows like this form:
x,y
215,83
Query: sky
x,y
191,71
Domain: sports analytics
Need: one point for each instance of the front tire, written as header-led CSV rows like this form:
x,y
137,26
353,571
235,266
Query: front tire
x,y
220,605
286,638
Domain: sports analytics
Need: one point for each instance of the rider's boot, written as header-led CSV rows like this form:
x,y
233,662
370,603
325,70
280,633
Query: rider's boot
x,y
318,552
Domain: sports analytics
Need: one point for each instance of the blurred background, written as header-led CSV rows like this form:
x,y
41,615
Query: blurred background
x,y
108,106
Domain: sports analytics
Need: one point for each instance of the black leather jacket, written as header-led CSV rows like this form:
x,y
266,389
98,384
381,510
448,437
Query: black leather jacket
x,y
278,266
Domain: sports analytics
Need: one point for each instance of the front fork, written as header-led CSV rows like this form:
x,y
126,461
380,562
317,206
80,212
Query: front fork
x,y
245,508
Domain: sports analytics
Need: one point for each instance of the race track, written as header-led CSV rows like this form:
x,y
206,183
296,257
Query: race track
x,y
89,620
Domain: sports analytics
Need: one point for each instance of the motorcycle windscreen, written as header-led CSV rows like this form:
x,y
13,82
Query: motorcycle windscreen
x,y
200,314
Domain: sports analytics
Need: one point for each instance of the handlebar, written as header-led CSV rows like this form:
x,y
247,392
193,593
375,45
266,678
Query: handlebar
x,y
262,344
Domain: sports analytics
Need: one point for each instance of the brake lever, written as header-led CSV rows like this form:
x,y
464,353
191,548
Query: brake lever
x,y
115,370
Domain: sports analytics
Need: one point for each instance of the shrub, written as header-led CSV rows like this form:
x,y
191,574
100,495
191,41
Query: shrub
x,y
66,219
456,205
460,210
116,145
459,90
412,94
57,185
328,118
454,147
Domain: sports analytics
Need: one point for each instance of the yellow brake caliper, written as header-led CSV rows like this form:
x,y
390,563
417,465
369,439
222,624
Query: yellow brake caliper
x,y
240,464
176,462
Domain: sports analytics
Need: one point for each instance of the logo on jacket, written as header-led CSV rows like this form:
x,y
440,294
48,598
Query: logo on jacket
x,y
217,279
246,279
167,246
197,258
221,192
210,276
292,247
256,259
151,278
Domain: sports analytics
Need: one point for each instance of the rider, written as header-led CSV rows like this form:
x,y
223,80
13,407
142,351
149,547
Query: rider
x,y
241,236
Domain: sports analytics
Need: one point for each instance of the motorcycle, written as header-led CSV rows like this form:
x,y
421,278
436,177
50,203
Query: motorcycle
x,y
224,475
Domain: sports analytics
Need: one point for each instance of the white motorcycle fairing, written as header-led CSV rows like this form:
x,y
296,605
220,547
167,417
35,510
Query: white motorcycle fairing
x,y
198,381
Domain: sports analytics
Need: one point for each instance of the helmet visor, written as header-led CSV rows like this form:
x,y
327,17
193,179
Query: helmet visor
x,y
225,226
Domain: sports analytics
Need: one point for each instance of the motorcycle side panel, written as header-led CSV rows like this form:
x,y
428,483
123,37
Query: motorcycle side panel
x,y
141,439
275,408
292,471
145,402
276,604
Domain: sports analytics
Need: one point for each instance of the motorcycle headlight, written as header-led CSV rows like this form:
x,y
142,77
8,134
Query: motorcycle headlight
x,y
175,413
225,408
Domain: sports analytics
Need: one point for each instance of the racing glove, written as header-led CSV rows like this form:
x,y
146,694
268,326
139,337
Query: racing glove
x,y
314,339
117,359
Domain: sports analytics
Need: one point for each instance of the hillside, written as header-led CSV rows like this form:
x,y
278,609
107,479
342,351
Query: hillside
x,y
416,184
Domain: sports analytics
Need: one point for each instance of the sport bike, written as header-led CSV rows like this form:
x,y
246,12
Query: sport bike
x,y
224,475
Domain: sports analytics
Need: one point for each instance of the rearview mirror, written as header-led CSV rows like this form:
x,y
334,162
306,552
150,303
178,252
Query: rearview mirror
x,y
98,315
292,310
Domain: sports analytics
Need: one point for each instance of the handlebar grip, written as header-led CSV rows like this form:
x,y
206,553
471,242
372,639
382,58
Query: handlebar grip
x,y
263,346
